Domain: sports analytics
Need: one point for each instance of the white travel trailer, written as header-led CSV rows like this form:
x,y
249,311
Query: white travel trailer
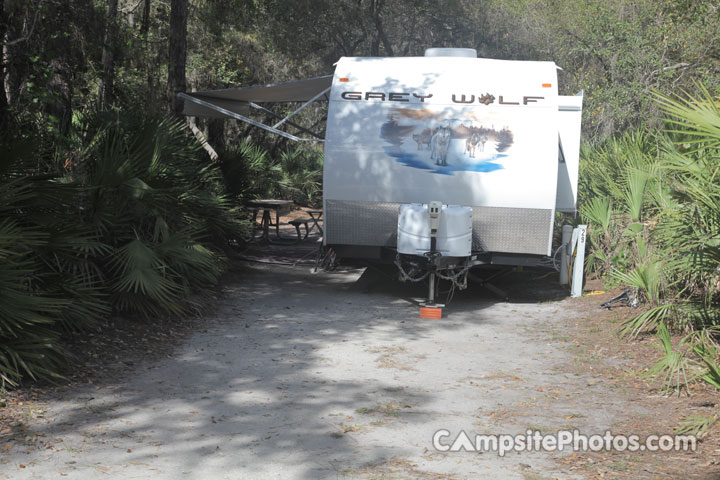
x,y
492,136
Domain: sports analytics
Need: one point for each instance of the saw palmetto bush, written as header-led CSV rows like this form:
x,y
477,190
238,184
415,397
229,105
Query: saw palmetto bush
x,y
603,235
657,197
159,209
28,341
302,170
121,215
251,172
49,283
669,229
618,181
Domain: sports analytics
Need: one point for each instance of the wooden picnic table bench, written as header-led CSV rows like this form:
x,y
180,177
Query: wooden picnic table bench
x,y
308,222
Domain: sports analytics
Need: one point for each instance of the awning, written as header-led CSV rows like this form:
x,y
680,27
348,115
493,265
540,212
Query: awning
x,y
236,102
295,91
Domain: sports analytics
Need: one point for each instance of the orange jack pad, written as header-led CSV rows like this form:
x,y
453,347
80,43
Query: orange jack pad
x,y
431,312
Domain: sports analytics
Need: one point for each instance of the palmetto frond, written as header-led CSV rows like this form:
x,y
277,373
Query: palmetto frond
x,y
28,345
128,220
598,211
696,116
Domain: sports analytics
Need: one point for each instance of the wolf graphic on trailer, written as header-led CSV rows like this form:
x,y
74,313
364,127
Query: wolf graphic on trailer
x,y
440,142
472,143
489,137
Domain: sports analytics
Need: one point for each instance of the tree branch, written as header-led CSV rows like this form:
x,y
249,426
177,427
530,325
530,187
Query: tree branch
x,y
32,28
201,138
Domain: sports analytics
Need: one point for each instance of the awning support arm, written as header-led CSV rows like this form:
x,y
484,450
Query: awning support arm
x,y
303,106
292,124
242,118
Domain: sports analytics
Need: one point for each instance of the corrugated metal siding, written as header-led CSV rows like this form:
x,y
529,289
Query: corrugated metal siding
x,y
495,229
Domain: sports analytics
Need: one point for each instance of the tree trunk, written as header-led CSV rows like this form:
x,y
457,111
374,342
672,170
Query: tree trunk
x,y
17,29
145,22
192,123
216,132
3,99
201,138
105,92
147,57
61,88
377,6
60,84
177,54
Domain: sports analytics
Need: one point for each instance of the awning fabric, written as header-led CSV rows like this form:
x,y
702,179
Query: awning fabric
x,y
236,99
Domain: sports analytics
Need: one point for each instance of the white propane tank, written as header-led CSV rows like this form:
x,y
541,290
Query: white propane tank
x,y
454,237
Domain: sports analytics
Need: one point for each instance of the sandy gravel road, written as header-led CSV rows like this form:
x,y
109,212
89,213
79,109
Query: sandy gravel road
x,y
310,376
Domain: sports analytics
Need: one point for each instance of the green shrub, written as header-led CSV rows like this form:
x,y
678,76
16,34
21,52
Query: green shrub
x,y
668,187
302,170
158,208
121,215
250,172
48,281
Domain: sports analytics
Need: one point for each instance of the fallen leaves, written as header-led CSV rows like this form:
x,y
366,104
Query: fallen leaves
x,y
350,428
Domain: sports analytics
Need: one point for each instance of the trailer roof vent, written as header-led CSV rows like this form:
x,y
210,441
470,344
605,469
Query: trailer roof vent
x,y
451,52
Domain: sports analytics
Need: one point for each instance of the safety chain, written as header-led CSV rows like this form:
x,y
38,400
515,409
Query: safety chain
x,y
454,278
458,279
404,274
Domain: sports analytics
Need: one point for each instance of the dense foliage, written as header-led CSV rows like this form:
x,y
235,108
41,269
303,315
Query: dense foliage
x,y
122,215
652,201
295,174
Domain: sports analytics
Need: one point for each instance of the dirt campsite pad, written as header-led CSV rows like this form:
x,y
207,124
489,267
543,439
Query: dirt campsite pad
x,y
299,375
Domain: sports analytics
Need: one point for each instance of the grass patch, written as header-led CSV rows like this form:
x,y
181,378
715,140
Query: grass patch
x,y
388,410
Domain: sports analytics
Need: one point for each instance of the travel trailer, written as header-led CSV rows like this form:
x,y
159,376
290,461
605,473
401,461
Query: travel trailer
x,y
436,163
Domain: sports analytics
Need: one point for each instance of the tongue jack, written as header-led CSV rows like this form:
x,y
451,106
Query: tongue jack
x,y
430,309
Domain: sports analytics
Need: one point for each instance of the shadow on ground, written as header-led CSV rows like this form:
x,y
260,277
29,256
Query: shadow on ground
x,y
272,387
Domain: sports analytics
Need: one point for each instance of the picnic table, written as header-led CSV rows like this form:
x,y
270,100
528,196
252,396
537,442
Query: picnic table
x,y
268,206
309,223
316,216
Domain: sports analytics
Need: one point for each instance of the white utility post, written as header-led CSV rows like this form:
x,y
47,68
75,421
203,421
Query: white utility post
x,y
578,264
567,231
